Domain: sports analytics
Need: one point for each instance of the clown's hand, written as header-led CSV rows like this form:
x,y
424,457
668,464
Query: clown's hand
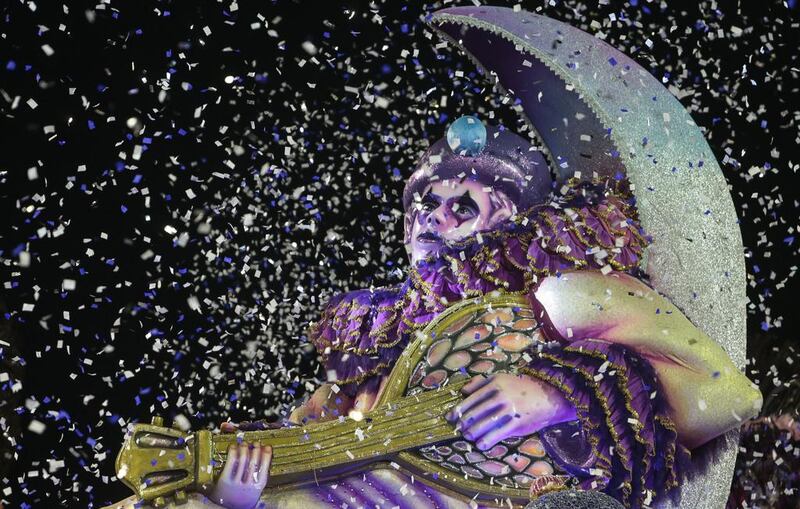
x,y
505,405
244,476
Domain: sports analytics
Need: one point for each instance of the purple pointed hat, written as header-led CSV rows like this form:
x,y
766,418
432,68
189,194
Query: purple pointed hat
x,y
487,154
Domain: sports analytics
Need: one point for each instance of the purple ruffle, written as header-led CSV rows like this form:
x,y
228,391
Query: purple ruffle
x,y
357,335
361,333
623,409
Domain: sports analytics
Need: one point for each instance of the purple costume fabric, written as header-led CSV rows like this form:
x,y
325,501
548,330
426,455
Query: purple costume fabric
x,y
615,392
617,398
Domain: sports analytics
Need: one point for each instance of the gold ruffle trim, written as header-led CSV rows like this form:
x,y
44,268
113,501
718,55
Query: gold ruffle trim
x,y
621,375
619,448
622,380
581,411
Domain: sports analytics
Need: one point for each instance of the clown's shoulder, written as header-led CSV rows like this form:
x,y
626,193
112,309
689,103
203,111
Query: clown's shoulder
x,y
356,334
345,314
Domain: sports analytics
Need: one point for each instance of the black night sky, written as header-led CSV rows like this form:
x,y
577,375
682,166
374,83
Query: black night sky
x,y
183,184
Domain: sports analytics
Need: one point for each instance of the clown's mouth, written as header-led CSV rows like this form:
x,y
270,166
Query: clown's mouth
x,y
429,238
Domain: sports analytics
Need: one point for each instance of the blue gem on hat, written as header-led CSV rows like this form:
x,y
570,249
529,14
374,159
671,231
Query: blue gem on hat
x,y
467,136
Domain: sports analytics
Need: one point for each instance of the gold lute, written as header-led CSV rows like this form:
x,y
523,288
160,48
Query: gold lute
x,y
158,463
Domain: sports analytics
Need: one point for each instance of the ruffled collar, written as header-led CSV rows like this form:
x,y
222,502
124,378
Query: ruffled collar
x,y
545,241
370,326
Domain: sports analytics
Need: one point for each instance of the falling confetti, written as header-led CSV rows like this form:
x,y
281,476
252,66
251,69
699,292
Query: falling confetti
x,y
184,185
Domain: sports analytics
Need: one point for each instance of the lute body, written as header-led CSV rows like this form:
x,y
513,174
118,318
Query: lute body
x,y
160,463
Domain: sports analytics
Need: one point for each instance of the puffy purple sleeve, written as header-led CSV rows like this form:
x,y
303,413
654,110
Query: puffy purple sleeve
x,y
357,336
624,417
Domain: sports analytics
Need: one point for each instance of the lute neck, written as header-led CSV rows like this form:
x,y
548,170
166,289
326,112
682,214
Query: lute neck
x,y
157,462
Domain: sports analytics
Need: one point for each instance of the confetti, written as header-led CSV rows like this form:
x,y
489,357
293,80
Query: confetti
x,y
187,185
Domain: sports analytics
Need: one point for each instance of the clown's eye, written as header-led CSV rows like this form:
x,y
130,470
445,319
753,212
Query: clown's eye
x,y
429,204
463,210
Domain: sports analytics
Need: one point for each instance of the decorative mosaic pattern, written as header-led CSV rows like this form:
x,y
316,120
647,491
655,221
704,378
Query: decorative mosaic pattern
x,y
484,342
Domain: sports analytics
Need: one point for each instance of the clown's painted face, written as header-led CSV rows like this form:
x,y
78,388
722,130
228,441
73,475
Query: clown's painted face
x,y
450,211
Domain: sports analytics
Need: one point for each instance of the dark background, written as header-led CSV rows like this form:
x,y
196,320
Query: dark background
x,y
195,178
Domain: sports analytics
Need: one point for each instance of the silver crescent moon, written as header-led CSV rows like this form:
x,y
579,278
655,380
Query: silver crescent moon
x,y
597,110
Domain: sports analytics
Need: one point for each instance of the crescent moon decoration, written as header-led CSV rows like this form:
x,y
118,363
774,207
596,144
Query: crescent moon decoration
x,y
597,111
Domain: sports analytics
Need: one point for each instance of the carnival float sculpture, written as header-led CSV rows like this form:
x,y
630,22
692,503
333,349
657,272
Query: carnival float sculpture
x,y
573,315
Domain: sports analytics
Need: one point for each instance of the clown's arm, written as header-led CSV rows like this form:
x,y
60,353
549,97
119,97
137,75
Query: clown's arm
x,y
707,393
323,405
326,404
